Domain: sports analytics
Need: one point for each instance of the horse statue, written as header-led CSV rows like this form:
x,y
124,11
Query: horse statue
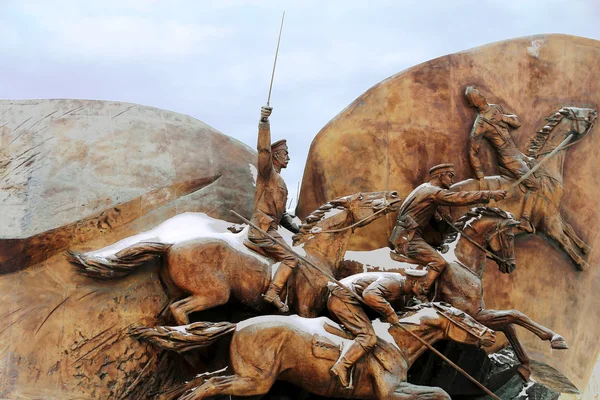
x,y
485,232
209,266
302,351
546,215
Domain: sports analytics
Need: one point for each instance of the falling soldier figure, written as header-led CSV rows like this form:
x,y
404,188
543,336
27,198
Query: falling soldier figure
x,y
379,291
417,212
492,124
270,200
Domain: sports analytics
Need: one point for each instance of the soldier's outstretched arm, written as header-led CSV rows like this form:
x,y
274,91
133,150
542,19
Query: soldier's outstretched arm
x,y
265,158
447,198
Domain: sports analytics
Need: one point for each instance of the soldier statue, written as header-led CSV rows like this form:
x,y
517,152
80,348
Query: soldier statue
x,y
418,211
269,212
379,291
493,124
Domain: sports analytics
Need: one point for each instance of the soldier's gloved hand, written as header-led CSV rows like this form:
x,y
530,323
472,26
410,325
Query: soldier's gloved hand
x,y
265,112
499,194
392,319
496,115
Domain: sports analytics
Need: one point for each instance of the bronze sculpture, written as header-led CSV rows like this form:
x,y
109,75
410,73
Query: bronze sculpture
x,y
270,200
302,351
485,233
420,207
493,124
212,267
377,291
546,215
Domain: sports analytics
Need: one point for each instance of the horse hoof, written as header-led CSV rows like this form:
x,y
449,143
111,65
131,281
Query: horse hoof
x,y
558,342
524,371
586,249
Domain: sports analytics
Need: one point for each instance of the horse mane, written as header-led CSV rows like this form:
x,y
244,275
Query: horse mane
x,y
314,219
474,214
542,136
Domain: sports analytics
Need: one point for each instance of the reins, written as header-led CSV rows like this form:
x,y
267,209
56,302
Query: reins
x,y
315,230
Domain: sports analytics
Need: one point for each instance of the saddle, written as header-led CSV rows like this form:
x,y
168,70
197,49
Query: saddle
x,y
324,348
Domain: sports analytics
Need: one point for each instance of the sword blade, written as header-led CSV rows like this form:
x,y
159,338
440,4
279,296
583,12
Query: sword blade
x,y
275,62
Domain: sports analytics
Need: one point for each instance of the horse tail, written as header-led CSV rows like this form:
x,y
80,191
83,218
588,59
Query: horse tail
x,y
186,337
120,264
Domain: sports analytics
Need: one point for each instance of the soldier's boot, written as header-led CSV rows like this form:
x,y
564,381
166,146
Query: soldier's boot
x,y
526,224
342,367
273,293
432,274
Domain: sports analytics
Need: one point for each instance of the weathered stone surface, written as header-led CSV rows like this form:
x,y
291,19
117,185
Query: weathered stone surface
x,y
391,135
126,168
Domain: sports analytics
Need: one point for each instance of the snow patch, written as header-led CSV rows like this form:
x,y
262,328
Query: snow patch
x,y
254,173
523,391
534,49
181,228
379,258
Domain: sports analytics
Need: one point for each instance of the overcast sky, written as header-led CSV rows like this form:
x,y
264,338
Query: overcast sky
x,y
212,59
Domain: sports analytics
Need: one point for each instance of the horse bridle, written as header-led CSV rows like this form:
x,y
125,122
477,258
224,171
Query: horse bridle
x,y
488,253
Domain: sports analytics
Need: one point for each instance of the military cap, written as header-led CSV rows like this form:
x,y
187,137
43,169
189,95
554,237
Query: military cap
x,y
438,169
417,273
279,145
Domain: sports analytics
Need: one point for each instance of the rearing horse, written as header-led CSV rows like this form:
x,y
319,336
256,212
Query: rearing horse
x,y
546,212
486,231
209,266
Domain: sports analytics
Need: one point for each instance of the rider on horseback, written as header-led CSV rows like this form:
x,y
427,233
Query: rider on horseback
x,y
417,212
377,290
270,200
492,124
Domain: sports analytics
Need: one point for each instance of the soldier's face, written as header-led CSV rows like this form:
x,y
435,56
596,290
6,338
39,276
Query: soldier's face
x,y
282,158
447,179
477,99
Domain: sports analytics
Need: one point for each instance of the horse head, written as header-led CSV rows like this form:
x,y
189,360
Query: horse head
x,y
445,320
347,212
492,228
566,121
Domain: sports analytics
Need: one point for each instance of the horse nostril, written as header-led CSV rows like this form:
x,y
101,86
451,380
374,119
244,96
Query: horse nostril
x,y
394,194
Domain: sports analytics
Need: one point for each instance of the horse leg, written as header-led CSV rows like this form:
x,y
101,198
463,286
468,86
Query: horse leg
x,y
555,230
310,292
571,234
198,302
499,319
408,391
524,369
234,385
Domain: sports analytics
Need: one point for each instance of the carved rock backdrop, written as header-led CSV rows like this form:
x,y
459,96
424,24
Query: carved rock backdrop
x,y
80,174
391,135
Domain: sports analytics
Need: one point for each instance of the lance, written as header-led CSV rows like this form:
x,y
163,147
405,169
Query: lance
x,y
357,297
275,62
287,248
535,167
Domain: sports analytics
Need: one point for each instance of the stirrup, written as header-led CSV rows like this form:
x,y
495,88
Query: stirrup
x,y
334,371
528,227
276,301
